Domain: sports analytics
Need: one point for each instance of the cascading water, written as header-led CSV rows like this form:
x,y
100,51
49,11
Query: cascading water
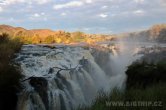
x,y
64,77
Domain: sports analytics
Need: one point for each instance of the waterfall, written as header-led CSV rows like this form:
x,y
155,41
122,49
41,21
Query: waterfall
x,y
65,77
30,101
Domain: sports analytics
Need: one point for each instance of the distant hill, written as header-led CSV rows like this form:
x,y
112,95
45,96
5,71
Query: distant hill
x,y
49,36
156,33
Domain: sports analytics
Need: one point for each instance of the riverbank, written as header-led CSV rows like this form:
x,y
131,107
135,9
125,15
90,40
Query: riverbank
x,y
9,73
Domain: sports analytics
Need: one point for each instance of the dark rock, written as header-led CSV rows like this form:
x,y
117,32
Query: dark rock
x,y
83,61
49,46
51,70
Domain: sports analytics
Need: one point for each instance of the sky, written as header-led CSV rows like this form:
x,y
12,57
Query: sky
x,y
90,16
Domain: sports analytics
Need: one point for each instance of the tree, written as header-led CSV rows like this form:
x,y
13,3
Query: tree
x,y
50,39
77,36
36,39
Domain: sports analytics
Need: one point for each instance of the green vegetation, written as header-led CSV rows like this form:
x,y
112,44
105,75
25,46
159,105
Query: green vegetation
x,y
9,73
146,90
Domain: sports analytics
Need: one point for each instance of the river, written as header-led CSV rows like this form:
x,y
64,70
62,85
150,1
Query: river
x,y
63,77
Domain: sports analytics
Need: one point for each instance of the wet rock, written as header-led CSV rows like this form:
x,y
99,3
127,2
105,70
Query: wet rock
x,y
85,64
83,61
49,46
36,54
51,70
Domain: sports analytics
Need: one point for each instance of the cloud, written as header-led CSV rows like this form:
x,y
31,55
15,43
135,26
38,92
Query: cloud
x,y
139,1
104,7
103,15
63,14
72,4
42,13
69,4
38,16
10,2
1,9
89,1
139,12
77,14
42,1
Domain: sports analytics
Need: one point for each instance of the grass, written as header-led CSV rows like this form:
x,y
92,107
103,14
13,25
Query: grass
x,y
9,73
117,100
146,90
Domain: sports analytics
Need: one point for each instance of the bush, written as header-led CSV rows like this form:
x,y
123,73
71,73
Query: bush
x,y
144,74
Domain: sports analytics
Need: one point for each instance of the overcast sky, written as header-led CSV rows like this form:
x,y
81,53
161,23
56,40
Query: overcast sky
x,y
92,16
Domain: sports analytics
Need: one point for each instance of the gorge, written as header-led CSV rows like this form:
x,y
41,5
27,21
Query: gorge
x,y
63,77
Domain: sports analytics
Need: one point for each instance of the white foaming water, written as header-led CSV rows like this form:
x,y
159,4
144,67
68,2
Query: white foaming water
x,y
120,61
71,76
